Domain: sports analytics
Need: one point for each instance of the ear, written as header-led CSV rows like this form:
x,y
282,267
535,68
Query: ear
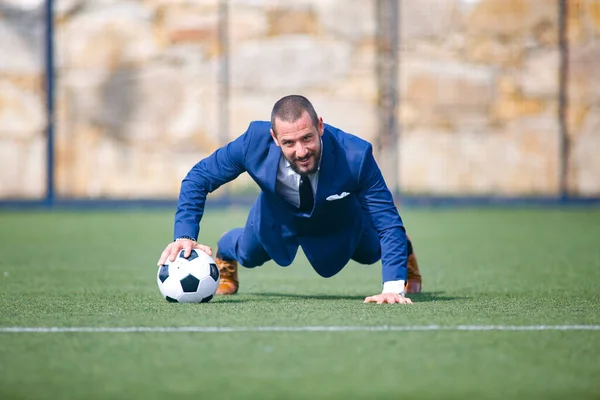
x,y
274,137
320,126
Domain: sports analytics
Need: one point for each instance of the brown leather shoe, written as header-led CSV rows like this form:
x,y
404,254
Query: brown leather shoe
x,y
413,282
229,283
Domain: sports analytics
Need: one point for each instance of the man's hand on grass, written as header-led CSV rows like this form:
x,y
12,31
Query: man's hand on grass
x,y
389,298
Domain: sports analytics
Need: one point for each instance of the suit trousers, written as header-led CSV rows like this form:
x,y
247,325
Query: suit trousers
x,y
243,245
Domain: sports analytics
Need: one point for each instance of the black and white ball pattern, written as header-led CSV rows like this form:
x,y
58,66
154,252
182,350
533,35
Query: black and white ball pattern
x,y
189,280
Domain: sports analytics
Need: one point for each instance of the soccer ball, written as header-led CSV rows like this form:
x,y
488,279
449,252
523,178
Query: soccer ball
x,y
189,280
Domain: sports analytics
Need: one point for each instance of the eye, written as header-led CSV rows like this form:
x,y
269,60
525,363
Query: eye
x,y
307,138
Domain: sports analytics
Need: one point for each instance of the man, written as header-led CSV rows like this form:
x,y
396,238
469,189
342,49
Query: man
x,y
320,189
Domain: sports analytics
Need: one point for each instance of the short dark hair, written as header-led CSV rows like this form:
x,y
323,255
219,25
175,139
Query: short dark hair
x,y
290,109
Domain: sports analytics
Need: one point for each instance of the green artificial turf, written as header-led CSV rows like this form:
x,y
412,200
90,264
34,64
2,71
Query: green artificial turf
x,y
501,267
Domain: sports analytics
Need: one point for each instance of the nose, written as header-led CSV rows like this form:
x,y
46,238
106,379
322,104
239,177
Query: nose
x,y
301,151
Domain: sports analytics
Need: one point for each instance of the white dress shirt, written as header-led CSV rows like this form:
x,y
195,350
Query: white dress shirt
x,y
288,182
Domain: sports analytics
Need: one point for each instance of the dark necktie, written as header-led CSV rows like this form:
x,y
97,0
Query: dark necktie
x,y
306,195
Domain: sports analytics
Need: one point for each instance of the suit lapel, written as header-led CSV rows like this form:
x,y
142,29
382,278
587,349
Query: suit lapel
x,y
327,170
272,165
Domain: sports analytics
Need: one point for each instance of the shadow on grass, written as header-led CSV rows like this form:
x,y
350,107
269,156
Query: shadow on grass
x,y
415,297
229,299
425,297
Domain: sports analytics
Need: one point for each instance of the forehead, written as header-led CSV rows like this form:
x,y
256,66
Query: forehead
x,y
292,130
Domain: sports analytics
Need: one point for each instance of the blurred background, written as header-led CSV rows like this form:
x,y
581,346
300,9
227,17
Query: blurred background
x,y
107,99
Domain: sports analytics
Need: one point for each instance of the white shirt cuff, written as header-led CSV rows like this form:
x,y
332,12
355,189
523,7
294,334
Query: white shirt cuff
x,y
393,287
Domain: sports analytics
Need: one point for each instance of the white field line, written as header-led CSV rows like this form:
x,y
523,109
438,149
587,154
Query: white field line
x,y
218,329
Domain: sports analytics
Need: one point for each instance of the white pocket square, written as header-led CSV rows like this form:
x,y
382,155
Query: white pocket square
x,y
337,196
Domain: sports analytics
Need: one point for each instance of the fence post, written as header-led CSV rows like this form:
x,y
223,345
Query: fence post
x,y
387,75
49,86
223,72
563,74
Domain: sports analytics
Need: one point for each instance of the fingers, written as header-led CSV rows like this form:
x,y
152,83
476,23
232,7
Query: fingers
x,y
175,249
163,257
187,245
170,253
402,300
204,248
388,298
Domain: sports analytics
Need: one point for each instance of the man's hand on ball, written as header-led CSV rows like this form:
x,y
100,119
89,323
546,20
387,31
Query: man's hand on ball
x,y
389,298
170,253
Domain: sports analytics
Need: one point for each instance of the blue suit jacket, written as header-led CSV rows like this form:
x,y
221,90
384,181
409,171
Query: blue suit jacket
x,y
330,233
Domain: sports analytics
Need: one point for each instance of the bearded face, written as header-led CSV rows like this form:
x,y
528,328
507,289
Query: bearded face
x,y
300,143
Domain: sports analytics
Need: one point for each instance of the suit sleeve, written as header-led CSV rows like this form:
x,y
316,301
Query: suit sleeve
x,y
376,199
223,166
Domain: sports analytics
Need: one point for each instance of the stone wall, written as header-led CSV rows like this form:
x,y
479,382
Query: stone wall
x,y
480,97
138,90
22,112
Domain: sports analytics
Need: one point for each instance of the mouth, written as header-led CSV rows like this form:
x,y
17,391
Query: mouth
x,y
303,161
